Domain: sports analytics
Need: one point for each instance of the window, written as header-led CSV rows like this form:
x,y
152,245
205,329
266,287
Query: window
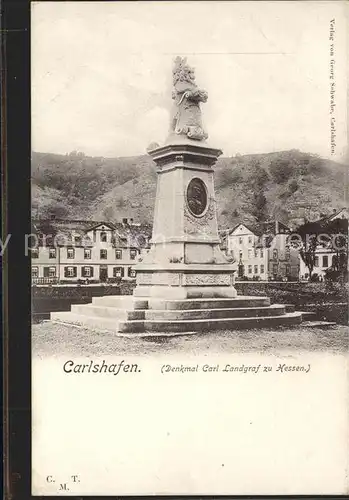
x,y
325,261
52,253
131,272
240,255
240,241
87,253
103,254
255,269
288,270
250,239
70,253
275,254
262,252
275,268
87,271
316,261
262,268
250,254
118,272
34,253
133,254
104,237
256,252
249,269
35,272
52,272
287,253
118,254
70,272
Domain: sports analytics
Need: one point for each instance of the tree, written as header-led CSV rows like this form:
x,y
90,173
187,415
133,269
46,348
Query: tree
x,y
332,235
281,170
258,180
293,186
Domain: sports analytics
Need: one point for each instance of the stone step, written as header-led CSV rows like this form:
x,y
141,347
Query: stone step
x,y
212,324
308,314
290,308
103,311
115,325
176,314
121,302
130,303
318,324
235,312
93,322
216,303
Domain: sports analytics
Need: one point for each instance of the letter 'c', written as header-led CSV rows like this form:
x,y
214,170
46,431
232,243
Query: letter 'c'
x,y
68,363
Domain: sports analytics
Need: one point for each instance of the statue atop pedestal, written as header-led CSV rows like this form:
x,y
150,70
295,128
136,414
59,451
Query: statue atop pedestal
x,y
186,115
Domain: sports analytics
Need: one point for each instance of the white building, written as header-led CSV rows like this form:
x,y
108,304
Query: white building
x,y
324,256
67,251
261,251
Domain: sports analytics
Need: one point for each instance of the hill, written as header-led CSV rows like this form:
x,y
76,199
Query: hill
x,y
288,185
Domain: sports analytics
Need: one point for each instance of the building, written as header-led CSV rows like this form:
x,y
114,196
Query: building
x,y
325,256
262,251
77,251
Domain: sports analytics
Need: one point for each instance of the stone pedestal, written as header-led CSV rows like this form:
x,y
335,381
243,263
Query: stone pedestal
x,y
185,260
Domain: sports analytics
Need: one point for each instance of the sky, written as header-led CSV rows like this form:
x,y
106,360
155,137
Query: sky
x,y
101,74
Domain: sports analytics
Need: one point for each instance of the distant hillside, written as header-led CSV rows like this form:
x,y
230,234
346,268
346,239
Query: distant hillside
x,y
288,185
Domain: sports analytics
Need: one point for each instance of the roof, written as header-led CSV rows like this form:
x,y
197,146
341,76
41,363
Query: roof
x,y
125,235
334,215
268,227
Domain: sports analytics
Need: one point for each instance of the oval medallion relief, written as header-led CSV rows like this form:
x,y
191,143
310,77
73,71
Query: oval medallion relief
x,y
197,196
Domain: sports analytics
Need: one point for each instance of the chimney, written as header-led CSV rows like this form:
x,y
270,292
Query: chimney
x,y
276,226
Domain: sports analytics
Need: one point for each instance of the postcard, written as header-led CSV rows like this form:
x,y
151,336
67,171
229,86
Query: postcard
x,y
189,248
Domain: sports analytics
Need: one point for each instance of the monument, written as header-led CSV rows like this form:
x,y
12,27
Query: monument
x,y
185,283
185,260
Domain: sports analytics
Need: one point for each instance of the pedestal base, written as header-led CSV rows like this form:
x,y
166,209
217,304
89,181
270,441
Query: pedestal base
x,y
129,315
185,281
188,292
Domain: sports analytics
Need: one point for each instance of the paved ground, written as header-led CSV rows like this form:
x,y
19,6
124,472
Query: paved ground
x,y
52,339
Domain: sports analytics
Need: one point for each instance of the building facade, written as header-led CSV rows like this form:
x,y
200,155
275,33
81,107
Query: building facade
x,y
325,256
66,251
262,251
